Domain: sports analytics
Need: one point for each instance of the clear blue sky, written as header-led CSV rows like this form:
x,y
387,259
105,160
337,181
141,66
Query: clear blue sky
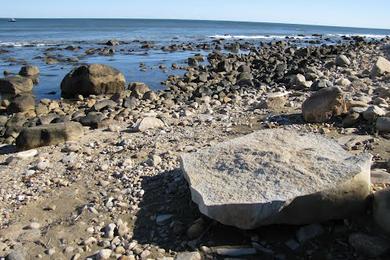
x,y
356,13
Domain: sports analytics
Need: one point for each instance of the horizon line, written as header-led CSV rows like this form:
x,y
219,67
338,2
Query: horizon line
x,y
198,20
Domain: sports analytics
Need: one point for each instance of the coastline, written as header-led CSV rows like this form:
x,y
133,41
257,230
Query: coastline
x,y
120,175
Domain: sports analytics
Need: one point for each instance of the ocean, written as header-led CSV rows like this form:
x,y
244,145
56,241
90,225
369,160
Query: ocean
x,y
28,41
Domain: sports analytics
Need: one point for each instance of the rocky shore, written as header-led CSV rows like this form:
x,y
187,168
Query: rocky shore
x,y
115,170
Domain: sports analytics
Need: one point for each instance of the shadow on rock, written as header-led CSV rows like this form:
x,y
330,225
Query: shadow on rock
x,y
8,149
169,219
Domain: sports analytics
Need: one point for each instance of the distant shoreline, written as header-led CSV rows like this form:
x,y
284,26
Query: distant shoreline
x,y
197,20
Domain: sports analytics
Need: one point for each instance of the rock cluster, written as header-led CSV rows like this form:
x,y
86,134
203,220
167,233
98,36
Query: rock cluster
x,y
116,155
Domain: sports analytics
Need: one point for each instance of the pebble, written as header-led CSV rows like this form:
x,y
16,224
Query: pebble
x,y
34,225
109,230
104,254
145,254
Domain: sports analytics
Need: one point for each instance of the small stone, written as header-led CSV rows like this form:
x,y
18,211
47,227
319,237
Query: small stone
x,y
154,160
109,230
104,254
34,225
342,61
51,251
163,219
104,167
145,254
148,123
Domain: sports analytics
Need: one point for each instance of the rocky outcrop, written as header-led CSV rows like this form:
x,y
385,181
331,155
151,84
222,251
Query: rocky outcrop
x,y
51,134
323,105
277,176
92,79
16,85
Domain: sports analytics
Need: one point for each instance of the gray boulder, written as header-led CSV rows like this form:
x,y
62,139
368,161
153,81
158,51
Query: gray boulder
x,y
94,79
16,85
277,176
323,105
381,67
45,135
29,71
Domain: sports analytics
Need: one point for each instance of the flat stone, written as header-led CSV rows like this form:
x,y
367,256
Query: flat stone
x,y
33,137
27,154
276,100
148,123
277,176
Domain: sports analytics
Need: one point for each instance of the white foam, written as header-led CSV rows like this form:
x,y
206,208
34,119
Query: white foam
x,y
23,44
253,36
371,36
267,37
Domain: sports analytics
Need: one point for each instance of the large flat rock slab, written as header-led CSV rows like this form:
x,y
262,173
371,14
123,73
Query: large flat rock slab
x,y
277,176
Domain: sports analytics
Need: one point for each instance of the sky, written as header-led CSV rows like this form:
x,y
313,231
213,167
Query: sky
x,y
353,13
